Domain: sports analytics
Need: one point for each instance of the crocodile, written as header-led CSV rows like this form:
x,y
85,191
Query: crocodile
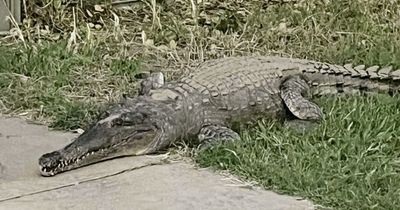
x,y
209,100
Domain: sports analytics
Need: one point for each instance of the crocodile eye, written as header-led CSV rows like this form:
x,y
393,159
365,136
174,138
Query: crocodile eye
x,y
132,118
104,114
117,121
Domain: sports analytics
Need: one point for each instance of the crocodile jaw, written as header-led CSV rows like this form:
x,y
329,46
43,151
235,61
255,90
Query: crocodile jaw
x,y
85,151
59,161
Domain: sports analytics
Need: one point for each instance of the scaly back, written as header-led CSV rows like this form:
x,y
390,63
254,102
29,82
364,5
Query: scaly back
x,y
224,75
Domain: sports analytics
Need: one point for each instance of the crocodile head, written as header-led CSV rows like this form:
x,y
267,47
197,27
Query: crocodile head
x,y
122,132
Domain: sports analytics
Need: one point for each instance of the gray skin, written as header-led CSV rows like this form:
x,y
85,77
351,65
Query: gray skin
x,y
206,103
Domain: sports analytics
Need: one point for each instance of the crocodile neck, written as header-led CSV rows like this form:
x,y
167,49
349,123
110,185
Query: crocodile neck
x,y
186,114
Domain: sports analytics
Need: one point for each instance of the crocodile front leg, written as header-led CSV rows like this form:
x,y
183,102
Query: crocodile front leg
x,y
213,134
294,91
151,82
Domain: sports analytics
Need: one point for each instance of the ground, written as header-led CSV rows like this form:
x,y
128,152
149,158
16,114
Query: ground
x,y
67,61
145,182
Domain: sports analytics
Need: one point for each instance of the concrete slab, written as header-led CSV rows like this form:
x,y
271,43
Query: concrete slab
x,y
144,182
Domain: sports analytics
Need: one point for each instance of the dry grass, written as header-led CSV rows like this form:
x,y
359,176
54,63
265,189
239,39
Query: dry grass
x,y
172,35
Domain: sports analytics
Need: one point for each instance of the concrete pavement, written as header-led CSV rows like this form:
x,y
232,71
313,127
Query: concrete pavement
x,y
144,182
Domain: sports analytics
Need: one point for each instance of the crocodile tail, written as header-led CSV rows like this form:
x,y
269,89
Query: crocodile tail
x,y
326,79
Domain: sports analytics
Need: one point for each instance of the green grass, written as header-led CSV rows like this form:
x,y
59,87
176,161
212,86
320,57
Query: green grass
x,y
66,89
350,162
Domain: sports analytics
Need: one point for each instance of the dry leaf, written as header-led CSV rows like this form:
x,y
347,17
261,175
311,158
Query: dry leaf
x,y
144,37
172,44
282,27
89,13
98,8
78,130
163,48
98,26
149,42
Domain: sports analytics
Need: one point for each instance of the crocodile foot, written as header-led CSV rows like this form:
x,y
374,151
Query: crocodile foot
x,y
213,134
153,81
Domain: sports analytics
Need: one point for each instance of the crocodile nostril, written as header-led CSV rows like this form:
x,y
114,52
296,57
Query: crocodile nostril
x,y
50,159
51,154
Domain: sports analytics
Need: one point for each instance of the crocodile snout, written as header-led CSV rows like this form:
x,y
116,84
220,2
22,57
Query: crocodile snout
x,y
49,162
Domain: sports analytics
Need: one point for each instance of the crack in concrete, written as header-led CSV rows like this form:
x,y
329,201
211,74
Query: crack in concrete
x,y
162,162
